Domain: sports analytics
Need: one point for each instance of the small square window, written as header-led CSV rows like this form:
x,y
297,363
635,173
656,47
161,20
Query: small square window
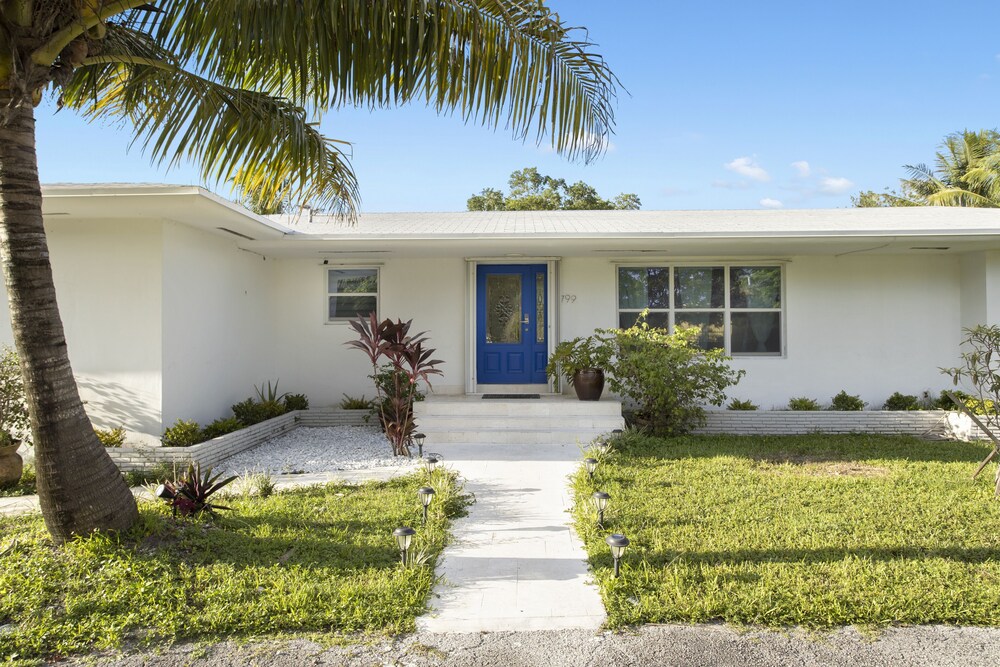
x,y
351,292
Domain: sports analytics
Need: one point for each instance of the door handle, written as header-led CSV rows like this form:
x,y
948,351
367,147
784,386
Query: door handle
x,y
525,321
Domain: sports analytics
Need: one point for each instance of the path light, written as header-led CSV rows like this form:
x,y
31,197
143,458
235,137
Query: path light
x,y
617,433
591,465
603,446
617,542
426,495
403,535
164,492
430,463
601,499
419,439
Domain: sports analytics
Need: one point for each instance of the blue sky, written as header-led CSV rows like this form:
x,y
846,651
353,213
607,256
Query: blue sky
x,y
729,105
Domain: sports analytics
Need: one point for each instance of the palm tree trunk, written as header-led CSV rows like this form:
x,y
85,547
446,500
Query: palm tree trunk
x,y
79,487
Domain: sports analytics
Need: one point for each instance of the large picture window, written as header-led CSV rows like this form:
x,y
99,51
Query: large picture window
x,y
738,307
351,292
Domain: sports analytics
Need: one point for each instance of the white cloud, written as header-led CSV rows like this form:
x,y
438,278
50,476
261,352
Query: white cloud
x,y
767,202
831,185
747,166
803,168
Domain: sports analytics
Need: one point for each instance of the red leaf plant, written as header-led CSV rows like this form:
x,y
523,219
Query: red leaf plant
x,y
391,343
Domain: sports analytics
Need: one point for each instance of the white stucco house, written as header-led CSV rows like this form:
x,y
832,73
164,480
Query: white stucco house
x,y
177,302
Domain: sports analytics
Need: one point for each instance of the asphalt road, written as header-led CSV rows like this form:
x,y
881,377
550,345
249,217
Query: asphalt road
x,y
675,645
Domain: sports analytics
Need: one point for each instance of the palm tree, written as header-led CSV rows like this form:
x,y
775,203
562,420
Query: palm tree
x,y
234,86
967,172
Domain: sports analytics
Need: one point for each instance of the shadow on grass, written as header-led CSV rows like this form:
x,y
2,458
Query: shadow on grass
x,y
816,448
827,555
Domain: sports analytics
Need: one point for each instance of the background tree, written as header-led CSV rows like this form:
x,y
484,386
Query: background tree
x,y
531,191
966,173
236,85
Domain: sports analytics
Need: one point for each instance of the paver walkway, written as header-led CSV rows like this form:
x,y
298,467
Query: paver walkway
x,y
514,563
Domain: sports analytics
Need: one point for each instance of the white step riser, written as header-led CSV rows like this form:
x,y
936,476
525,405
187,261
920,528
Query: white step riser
x,y
518,408
506,437
463,423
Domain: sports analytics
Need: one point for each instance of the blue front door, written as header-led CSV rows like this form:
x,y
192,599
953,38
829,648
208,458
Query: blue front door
x,y
511,323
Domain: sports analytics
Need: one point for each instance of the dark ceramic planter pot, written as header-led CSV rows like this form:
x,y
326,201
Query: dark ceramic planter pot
x,y
589,384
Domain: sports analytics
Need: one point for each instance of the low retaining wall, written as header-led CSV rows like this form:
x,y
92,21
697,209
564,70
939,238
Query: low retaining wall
x,y
937,424
211,452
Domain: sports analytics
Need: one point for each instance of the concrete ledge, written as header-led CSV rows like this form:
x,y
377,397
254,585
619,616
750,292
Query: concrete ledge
x,y
937,424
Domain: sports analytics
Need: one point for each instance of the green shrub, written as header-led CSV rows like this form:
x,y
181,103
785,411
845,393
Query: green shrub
x,y
13,404
737,404
351,403
666,376
111,438
183,433
802,403
296,402
269,394
900,401
250,411
221,427
847,403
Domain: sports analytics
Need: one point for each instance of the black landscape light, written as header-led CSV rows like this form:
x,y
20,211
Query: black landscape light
x,y
591,465
419,439
601,500
404,535
164,492
617,433
430,463
426,495
603,447
618,543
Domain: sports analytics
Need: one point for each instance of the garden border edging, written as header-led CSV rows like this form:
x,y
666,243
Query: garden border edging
x,y
210,452
937,424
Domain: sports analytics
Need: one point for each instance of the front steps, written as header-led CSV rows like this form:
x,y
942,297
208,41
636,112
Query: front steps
x,y
546,420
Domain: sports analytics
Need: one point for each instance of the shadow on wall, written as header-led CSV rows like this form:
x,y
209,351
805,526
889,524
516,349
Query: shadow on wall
x,y
111,404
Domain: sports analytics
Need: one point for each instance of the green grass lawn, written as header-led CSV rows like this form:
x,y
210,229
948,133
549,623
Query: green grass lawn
x,y
816,531
315,559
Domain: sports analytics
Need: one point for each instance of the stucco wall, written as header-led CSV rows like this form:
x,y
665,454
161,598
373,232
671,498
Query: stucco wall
x,y
310,353
870,325
109,296
218,324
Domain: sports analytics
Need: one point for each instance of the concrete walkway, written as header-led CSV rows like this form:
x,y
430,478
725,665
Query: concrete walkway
x,y
514,563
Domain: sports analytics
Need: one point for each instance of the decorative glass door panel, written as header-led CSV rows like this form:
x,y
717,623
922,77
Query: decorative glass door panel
x,y
511,324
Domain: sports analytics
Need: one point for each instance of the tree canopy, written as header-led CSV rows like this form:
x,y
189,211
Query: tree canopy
x,y
531,191
966,173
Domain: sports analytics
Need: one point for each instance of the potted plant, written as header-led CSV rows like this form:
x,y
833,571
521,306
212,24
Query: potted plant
x,y
583,361
11,465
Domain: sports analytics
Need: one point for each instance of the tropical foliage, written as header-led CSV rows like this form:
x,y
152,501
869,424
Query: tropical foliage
x,y
980,370
531,191
966,173
402,360
237,86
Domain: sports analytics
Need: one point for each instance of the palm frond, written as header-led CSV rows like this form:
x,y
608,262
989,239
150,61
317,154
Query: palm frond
x,y
260,143
511,62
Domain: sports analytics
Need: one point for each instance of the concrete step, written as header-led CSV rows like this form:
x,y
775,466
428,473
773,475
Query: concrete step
x,y
518,422
453,406
504,436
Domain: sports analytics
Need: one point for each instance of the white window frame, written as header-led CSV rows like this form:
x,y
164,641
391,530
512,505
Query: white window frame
x,y
345,267
727,310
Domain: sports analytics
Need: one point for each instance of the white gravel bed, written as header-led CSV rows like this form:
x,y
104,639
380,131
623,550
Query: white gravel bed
x,y
321,449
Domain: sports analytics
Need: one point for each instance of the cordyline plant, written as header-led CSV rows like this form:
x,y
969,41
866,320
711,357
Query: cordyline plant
x,y
189,494
391,343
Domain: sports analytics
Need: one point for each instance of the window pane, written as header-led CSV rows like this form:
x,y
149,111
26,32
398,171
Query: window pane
x,y
353,280
700,287
712,332
351,306
756,333
755,287
503,308
643,287
539,307
656,320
